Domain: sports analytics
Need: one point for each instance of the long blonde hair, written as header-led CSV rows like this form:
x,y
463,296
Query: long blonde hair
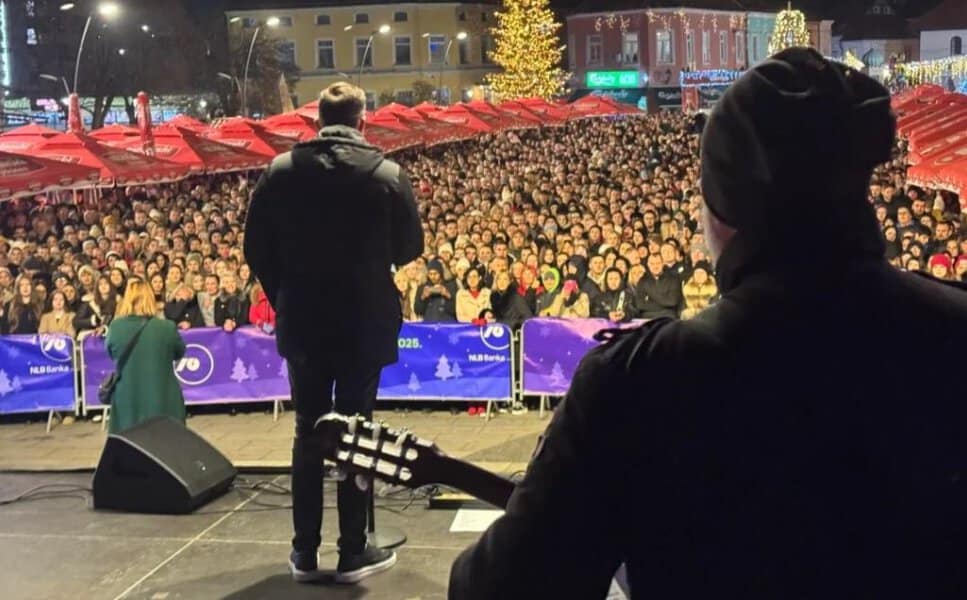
x,y
138,300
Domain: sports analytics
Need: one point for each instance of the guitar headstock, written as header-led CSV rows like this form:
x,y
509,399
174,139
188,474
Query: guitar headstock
x,y
363,447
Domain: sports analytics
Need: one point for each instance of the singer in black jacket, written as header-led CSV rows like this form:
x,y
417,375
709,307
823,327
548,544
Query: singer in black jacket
x,y
774,446
333,210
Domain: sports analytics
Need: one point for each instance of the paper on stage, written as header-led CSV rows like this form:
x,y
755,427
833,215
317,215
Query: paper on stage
x,y
473,520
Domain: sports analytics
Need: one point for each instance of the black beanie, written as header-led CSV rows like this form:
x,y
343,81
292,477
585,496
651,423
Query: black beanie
x,y
794,139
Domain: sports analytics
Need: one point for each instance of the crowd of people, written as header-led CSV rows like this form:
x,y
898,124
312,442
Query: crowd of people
x,y
598,218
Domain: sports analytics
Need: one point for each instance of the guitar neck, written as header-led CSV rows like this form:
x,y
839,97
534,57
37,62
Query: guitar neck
x,y
475,481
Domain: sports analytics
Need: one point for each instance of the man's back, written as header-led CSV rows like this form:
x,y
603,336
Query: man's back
x,y
327,223
817,450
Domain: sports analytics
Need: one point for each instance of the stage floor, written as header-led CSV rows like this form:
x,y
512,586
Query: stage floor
x,y
232,548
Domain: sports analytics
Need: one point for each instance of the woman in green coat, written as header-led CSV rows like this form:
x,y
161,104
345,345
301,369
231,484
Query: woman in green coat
x,y
147,386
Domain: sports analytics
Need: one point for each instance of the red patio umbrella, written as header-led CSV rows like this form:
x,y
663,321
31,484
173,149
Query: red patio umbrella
x,y
117,166
431,131
933,136
29,175
115,134
505,119
309,111
292,125
457,115
26,137
198,153
955,111
249,135
427,108
593,106
186,122
522,112
389,136
954,177
553,114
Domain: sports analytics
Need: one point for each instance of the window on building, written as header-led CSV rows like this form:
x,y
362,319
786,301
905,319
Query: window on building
x,y
753,48
461,16
364,54
285,22
724,47
370,100
287,52
325,54
666,54
956,46
571,53
483,17
401,51
444,95
629,48
405,97
595,49
361,18
689,48
400,16
437,45
32,38
323,20
706,47
250,22
486,47
464,48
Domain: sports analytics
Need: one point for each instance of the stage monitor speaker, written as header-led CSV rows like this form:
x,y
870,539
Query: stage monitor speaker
x,y
160,466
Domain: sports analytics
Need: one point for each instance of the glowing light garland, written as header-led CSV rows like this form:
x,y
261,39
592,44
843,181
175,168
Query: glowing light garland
x,y
790,31
5,47
933,71
529,51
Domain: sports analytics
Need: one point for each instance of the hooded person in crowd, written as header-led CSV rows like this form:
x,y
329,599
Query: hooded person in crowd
x,y
436,299
616,302
568,302
762,452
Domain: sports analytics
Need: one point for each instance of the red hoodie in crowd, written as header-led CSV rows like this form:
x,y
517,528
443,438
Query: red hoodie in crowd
x,y
261,312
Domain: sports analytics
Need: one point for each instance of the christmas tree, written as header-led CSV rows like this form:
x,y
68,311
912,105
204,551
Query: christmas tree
x,y
790,31
252,373
443,369
529,51
283,370
239,372
5,386
17,386
414,385
455,370
557,378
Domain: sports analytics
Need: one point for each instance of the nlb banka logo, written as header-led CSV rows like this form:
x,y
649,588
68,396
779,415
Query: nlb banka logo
x,y
495,336
55,347
196,366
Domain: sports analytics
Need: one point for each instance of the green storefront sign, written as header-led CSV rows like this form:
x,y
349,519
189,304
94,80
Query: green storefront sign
x,y
597,80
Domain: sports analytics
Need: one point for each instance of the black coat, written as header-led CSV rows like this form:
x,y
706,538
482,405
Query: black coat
x,y
437,308
659,297
86,318
510,308
185,310
326,223
232,307
775,446
605,303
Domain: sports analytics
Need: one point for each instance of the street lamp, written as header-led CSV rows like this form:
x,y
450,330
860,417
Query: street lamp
x,y
107,10
461,36
122,51
270,22
145,28
57,79
383,30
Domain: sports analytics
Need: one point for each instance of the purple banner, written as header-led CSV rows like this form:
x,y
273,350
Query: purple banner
x,y
36,373
552,350
218,367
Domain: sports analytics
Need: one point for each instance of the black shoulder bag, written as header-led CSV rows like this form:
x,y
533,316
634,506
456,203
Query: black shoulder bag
x,y
106,389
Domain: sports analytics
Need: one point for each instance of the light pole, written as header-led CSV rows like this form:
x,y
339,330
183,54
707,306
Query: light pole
x,y
383,30
57,79
270,22
461,36
106,10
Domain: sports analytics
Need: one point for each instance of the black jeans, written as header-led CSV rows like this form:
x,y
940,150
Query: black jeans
x,y
312,391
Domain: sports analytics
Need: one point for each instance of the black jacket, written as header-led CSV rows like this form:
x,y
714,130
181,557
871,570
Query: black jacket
x,y
659,297
87,318
232,307
607,302
326,223
437,308
186,310
510,308
775,446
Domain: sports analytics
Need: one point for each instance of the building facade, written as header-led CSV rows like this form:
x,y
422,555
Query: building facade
x,y
386,47
759,27
943,30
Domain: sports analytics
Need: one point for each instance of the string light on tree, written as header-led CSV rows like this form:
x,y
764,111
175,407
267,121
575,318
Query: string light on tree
x,y
528,50
933,71
790,31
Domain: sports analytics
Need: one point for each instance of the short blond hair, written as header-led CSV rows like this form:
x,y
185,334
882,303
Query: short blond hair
x,y
342,104
138,300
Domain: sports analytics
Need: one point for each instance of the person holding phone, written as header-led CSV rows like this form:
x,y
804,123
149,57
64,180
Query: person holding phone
x,y
436,299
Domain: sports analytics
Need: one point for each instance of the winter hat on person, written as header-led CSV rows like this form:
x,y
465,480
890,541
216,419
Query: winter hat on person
x,y
550,278
941,260
789,148
704,265
435,265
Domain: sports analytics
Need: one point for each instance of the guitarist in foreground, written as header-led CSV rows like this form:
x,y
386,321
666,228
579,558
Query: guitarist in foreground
x,y
773,447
